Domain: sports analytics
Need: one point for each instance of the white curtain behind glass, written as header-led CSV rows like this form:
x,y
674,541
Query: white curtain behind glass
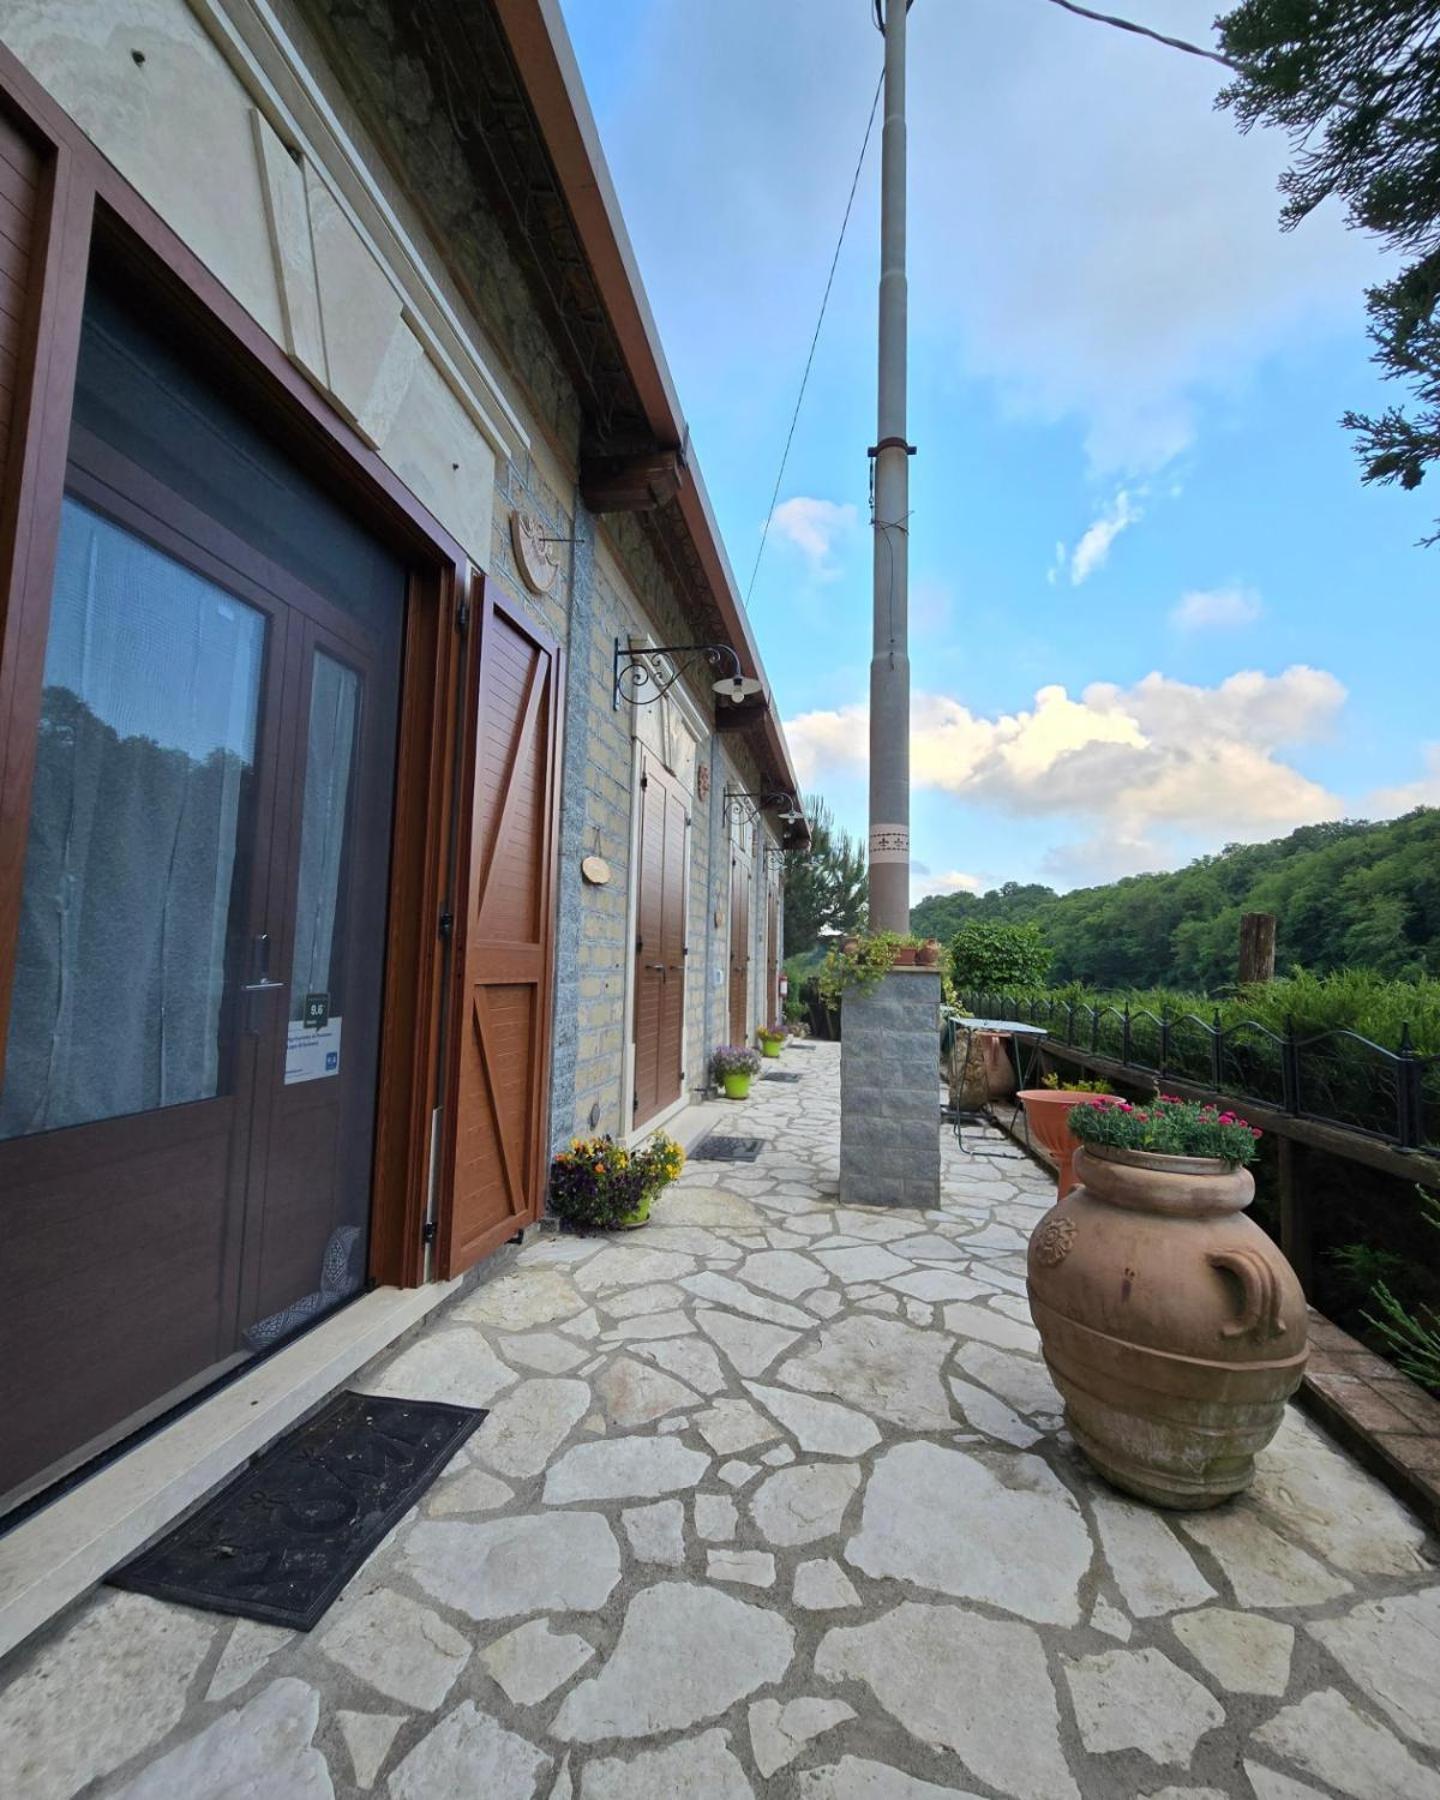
x,y
330,751
147,735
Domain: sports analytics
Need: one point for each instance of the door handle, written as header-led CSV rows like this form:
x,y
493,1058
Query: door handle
x,y
262,984
260,962
659,967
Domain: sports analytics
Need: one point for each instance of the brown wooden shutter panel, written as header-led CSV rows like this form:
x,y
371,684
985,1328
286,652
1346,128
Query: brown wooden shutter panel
x,y
505,945
739,949
660,944
20,172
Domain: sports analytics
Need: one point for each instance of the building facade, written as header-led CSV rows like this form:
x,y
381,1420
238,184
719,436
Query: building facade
x,y
369,817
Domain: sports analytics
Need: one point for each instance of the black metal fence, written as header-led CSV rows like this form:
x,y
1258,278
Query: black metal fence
x,y
1334,1077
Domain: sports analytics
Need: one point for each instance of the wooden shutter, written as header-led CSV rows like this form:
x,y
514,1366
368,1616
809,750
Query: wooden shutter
x,y
649,958
772,959
659,944
504,954
21,170
739,948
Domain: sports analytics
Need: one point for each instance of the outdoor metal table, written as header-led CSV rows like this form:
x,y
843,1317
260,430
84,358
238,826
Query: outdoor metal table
x,y
1024,1038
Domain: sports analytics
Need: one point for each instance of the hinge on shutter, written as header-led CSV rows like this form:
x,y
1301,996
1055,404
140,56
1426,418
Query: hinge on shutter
x,y
644,783
634,1103
429,1231
639,945
462,616
446,926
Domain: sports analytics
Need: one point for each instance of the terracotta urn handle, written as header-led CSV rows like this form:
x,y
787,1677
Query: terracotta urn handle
x,y
1260,1296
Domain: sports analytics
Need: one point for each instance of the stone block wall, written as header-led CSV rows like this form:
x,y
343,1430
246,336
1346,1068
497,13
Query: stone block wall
x,y
890,1092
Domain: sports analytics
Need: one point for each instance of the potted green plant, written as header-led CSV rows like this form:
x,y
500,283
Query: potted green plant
x,y
598,1185
863,963
772,1039
1172,1324
735,1066
1047,1118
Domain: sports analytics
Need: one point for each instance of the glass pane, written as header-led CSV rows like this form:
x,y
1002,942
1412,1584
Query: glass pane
x,y
317,1002
135,391
142,784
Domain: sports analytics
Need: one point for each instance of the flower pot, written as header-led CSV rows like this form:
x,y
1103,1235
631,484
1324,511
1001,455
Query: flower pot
x,y
641,1215
905,957
771,1047
928,955
1172,1325
737,1087
1046,1111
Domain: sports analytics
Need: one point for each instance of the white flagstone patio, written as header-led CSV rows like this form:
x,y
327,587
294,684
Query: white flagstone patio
x,y
775,1499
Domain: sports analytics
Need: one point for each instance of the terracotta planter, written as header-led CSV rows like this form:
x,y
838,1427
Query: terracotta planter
x,y
1171,1323
1046,1110
737,1087
905,957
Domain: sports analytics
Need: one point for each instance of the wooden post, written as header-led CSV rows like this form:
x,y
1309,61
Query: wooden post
x,y
1295,1239
1257,947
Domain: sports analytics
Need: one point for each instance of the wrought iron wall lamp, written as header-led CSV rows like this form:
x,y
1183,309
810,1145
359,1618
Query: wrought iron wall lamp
x,y
633,672
749,806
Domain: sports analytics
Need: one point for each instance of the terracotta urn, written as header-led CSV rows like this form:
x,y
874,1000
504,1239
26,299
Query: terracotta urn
x,y
1047,1111
999,1070
1172,1325
928,955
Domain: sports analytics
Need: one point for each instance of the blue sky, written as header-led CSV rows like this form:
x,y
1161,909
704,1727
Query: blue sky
x,y
1152,608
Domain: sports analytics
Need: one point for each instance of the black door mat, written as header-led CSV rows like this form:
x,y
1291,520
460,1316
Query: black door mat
x,y
284,1537
727,1149
798,1044
776,1075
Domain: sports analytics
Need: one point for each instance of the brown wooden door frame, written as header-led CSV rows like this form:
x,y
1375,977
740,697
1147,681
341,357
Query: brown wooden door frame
x,y
87,206
477,963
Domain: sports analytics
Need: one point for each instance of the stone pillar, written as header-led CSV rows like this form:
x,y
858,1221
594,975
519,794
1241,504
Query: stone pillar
x,y
890,1092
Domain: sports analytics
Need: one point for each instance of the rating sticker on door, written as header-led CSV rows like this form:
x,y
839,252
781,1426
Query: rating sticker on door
x,y
312,1053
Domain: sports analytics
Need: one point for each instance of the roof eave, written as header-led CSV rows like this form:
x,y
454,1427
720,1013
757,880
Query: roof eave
x,y
551,76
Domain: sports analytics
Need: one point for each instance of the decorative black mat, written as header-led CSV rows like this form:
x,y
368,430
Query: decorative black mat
x,y
799,1044
727,1149
284,1537
776,1075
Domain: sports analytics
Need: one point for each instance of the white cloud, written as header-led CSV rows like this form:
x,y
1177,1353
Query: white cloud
x,y
953,881
1093,550
1161,756
816,528
1216,609
1389,802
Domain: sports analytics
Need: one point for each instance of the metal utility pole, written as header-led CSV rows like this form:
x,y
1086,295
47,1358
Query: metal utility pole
x,y
890,661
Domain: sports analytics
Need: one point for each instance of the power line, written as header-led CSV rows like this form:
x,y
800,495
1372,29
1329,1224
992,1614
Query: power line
x,y
1158,37
809,360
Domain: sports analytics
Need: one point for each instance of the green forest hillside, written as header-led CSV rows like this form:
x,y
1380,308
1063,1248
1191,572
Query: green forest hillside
x,y
1347,895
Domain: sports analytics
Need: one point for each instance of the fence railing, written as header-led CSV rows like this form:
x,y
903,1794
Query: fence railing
x,y
1335,1077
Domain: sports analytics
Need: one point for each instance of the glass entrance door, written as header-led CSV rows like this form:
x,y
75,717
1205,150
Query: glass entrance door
x,y
188,1097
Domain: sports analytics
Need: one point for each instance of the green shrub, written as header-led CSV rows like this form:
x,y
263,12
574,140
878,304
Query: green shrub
x,y
1411,1339
988,956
